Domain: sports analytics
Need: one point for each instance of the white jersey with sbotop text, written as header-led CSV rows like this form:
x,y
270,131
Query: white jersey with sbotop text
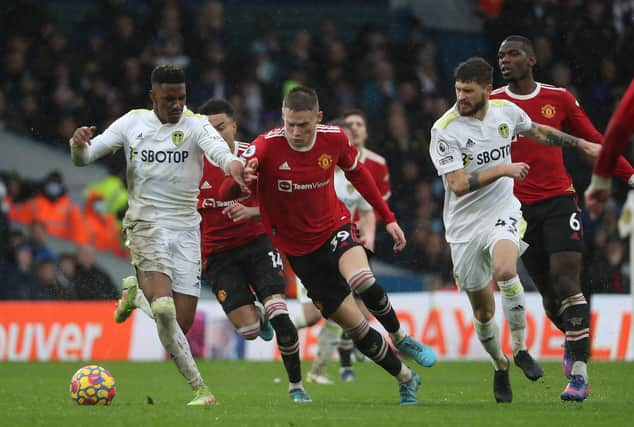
x,y
164,164
459,142
349,195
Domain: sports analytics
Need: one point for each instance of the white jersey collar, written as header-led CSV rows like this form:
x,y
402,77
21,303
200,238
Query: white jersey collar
x,y
533,94
301,149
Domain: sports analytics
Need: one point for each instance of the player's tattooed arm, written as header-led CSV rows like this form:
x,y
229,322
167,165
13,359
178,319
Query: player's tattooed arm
x,y
550,136
474,181
553,137
461,182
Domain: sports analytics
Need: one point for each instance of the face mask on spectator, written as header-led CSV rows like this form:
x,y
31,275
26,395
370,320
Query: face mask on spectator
x,y
53,190
99,206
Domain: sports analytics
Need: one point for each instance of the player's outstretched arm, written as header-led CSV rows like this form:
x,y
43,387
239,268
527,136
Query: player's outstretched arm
x,y
550,136
235,168
461,182
84,150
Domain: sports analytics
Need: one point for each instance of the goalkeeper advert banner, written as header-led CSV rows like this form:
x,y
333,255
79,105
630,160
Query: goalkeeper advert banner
x,y
86,330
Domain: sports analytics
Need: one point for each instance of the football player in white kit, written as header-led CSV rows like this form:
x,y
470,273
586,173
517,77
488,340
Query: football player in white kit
x,y
471,149
164,148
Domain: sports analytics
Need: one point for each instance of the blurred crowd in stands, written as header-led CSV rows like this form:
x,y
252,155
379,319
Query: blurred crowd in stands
x,y
54,78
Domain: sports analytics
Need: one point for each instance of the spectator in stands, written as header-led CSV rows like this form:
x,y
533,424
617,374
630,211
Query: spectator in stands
x,y
37,241
208,27
401,143
427,71
170,51
53,207
592,32
111,188
104,232
67,270
91,282
18,188
126,41
48,286
18,282
379,90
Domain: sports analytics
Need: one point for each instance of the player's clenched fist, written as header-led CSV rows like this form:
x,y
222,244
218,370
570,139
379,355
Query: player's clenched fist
x,y
518,170
83,135
398,236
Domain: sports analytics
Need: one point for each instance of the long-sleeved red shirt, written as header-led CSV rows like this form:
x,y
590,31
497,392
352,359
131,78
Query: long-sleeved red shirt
x,y
617,135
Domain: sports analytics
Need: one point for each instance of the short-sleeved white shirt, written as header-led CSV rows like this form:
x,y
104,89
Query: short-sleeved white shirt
x,y
464,142
349,195
164,164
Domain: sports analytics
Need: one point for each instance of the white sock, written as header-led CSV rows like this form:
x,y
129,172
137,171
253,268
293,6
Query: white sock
x,y
142,303
580,368
489,335
405,375
327,342
294,386
514,307
174,340
398,336
299,318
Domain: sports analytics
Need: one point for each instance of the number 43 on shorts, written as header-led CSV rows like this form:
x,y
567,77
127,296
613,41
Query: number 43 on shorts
x,y
510,223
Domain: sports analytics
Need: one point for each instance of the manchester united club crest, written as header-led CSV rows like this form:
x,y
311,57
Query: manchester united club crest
x,y
178,137
222,296
503,130
324,161
548,111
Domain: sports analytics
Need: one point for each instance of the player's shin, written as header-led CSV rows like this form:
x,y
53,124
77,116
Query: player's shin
x,y
514,307
142,303
174,341
489,335
376,300
372,344
327,342
287,339
575,316
346,345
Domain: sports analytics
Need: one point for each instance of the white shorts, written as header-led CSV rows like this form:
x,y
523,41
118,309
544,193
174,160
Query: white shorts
x,y
472,260
302,293
175,253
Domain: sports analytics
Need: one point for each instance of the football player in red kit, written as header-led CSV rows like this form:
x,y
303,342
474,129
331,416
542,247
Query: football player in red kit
x,y
549,205
294,166
374,162
617,136
239,257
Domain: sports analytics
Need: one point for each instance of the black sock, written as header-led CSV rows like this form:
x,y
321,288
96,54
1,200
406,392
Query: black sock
x,y
288,343
376,348
379,305
576,322
345,350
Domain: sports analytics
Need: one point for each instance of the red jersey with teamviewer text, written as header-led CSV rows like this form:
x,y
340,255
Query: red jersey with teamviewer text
x,y
218,233
558,108
295,189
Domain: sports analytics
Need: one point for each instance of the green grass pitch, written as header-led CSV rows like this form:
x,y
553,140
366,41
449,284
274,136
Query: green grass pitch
x,y
453,394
